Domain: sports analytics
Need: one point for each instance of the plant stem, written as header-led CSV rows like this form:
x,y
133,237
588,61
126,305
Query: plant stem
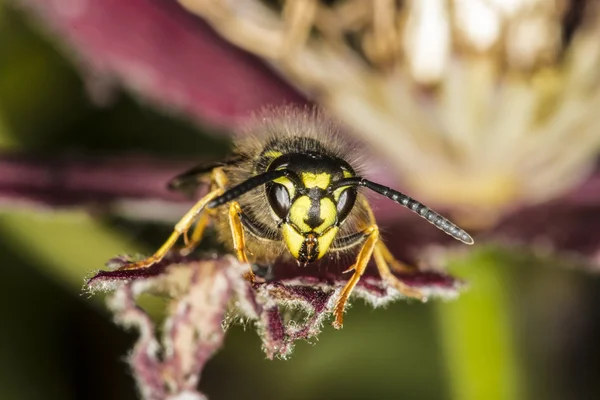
x,y
478,335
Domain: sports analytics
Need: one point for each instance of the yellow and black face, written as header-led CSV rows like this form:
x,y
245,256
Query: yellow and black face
x,y
308,209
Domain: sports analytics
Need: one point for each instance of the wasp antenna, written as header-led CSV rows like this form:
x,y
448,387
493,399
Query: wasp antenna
x,y
250,184
425,212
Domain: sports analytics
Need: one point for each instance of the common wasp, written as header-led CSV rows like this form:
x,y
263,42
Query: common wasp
x,y
293,190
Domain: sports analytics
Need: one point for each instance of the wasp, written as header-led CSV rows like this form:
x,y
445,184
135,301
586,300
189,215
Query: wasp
x,y
293,189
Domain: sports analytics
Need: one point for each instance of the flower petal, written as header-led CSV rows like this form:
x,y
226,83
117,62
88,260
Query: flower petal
x,y
555,231
268,303
134,186
145,356
170,366
164,54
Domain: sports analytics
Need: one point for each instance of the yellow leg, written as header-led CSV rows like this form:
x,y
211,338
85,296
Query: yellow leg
x,y
371,247
197,234
237,233
359,268
180,229
395,265
386,274
219,180
391,261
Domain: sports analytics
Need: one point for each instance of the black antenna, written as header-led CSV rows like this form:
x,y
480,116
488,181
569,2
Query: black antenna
x,y
252,183
418,208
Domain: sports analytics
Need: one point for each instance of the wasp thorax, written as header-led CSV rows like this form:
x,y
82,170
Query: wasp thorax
x,y
307,207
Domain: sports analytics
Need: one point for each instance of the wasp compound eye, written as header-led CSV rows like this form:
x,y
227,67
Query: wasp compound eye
x,y
345,203
279,199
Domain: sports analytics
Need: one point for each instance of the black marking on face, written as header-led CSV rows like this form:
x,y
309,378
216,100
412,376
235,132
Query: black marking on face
x,y
313,218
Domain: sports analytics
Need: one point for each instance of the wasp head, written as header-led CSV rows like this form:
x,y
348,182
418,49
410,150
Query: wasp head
x,y
309,211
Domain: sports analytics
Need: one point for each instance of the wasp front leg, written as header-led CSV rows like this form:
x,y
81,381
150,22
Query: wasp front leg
x,y
181,228
372,247
237,233
372,235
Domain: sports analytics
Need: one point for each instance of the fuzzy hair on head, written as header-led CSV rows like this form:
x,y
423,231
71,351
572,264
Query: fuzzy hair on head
x,y
310,125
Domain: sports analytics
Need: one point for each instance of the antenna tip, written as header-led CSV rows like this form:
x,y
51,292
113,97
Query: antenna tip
x,y
466,238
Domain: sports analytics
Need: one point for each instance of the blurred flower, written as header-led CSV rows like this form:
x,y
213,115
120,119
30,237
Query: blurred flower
x,y
485,107
163,54
132,186
482,105
210,294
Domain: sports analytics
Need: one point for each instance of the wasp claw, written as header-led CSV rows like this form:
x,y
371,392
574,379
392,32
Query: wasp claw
x,y
350,269
250,277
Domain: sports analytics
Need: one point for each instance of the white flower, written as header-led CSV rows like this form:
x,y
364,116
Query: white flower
x,y
478,104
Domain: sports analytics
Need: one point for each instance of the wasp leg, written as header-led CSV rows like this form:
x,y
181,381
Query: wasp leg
x,y
392,262
371,247
219,180
388,276
389,258
372,234
181,228
237,233
192,242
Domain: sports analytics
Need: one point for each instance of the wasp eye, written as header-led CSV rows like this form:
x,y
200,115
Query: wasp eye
x,y
345,203
279,199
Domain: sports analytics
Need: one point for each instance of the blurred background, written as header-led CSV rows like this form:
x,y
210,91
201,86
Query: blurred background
x,y
527,328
